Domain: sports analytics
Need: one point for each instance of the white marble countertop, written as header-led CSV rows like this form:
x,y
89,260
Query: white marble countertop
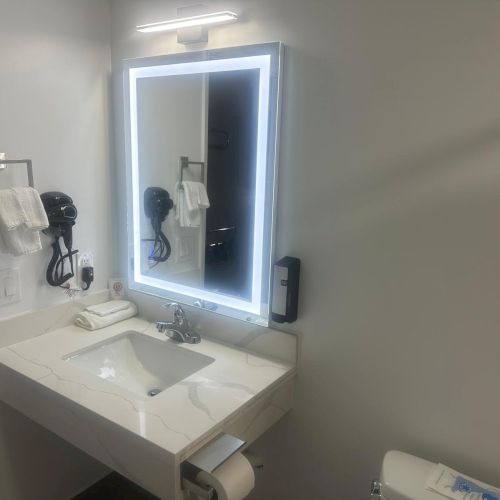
x,y
175,420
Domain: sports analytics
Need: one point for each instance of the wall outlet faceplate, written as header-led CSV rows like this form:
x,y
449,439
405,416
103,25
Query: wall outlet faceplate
x,y
85,259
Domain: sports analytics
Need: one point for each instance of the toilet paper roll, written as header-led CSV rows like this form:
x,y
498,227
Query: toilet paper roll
x,y
232,480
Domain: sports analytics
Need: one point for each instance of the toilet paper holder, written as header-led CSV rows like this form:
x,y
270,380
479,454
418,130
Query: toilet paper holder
x,y
208,459
206,493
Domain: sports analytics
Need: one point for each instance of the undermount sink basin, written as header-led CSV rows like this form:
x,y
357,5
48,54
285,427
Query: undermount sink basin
x,y
139,363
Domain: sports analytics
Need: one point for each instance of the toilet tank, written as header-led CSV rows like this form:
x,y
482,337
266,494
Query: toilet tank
x,y
404,477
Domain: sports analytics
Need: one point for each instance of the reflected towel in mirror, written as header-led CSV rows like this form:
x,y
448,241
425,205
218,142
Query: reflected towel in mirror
x,y
191,198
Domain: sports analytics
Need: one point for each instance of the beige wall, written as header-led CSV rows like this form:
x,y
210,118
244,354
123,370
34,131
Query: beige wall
x,y
390,193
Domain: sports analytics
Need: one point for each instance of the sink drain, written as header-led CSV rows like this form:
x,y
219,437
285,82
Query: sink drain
x,y
154,392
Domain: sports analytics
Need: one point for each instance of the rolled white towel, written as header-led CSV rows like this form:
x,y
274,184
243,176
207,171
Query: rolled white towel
x,y
91,321
107,308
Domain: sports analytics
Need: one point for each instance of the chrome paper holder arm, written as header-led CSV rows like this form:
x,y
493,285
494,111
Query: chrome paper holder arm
x,y
29,168
205,492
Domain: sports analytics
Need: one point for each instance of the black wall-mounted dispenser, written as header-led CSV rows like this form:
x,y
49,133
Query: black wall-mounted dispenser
x,y
286,290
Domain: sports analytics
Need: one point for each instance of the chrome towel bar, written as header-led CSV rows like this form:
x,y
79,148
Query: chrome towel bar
x,y
29,168
185,162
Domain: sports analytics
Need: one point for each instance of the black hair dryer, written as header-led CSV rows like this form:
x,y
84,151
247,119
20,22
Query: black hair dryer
x,y
62,214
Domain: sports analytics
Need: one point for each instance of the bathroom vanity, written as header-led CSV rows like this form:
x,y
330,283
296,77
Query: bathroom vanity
x,y
201,150
60,381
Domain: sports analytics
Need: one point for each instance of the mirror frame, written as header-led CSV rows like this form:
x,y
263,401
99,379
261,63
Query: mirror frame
x,y
268,58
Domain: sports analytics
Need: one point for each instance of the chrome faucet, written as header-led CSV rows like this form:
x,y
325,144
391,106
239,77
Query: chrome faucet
x,y
180,328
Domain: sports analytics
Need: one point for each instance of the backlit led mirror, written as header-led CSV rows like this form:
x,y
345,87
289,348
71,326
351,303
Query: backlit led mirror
x,y
201,139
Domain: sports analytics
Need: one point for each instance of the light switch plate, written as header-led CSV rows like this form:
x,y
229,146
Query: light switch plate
x,y
10,286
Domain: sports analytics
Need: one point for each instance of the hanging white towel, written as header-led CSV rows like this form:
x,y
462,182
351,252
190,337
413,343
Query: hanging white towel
x,y
187,218
12,213
20,241
196,195
22,216
31,203
191,198
20,206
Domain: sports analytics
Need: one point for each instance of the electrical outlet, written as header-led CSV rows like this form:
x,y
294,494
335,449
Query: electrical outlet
x,y
86,259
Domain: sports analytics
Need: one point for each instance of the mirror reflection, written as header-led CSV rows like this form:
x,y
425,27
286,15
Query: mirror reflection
x,y
197,138
201,130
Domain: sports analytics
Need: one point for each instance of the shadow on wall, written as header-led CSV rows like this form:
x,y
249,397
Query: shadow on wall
x,y
24,475
416,179
399,297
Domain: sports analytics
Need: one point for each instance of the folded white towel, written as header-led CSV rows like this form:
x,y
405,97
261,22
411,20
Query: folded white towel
x,y
190,198
91,321
107,308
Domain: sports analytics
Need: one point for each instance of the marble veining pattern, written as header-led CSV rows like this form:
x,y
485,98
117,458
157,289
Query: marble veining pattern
x,y
177,418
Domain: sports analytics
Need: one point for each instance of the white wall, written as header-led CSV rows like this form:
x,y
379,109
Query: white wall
x,y
54,70
390,193
54,88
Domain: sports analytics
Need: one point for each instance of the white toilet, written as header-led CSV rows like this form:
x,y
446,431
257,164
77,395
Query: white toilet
x,y
403,477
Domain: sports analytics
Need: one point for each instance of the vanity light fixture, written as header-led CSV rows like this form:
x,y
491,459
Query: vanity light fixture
x,y
189,22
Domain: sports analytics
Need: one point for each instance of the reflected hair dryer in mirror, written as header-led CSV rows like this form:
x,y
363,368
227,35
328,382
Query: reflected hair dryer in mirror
x,y
157,205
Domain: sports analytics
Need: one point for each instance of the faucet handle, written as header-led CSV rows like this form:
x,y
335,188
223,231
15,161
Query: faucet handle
x,y
170,304
179,314
204,304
